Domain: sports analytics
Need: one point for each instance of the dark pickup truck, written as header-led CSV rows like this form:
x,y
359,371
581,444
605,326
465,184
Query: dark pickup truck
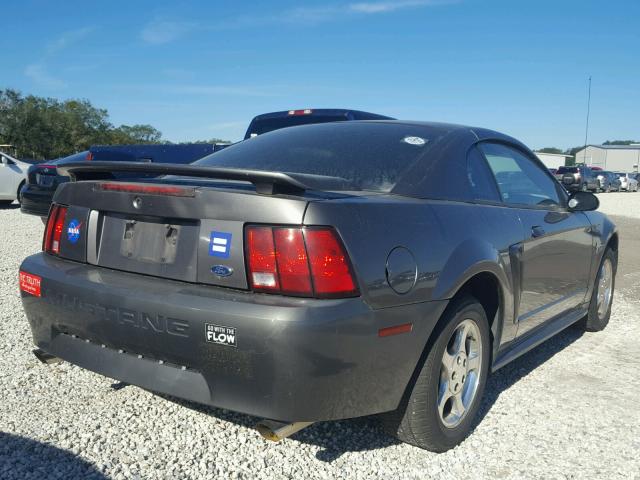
x,y
268,122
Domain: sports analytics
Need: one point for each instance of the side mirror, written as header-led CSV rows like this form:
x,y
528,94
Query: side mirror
x,y
583,202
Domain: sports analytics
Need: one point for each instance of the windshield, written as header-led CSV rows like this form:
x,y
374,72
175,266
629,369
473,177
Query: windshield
x,y
334,156
567,170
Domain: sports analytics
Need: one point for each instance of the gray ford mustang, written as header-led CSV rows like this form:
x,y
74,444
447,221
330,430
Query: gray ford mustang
x,y
322,272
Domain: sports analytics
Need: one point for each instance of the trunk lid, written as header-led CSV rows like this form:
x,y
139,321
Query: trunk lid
x,y
192,232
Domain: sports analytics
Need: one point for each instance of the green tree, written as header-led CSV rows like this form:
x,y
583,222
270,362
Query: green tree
x,y
46,128
550,150
126,134
620,142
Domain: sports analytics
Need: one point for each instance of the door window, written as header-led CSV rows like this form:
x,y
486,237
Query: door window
x,y
519,179
483,186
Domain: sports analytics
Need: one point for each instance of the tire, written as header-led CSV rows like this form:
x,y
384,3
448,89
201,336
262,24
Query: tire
x,y
18,195
418,421
599,314
5,203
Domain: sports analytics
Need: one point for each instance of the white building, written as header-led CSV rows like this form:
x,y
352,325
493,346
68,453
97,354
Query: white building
x,y
617,158
552,160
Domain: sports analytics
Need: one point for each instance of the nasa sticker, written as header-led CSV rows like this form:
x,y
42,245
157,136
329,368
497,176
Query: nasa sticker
x,y
73,231
418,141
221,335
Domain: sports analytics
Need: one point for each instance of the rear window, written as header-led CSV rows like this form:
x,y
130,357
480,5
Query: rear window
x,y
567,170
76,157
261,126
334,156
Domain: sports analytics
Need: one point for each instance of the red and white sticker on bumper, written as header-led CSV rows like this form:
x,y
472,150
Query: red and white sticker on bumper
x,y
30,283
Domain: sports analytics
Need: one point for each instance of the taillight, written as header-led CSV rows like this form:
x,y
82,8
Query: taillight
x,y
330,268
53,232
306,111
308,262
261,258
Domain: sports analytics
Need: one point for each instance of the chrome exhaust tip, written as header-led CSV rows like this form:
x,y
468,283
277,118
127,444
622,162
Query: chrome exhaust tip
x,y
45,357
275,431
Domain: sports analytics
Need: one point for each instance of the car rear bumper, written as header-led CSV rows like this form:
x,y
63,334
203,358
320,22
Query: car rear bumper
x,y
294,359
35,202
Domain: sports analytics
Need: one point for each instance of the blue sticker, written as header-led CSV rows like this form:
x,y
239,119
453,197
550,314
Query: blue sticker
x,y
220,244
73,230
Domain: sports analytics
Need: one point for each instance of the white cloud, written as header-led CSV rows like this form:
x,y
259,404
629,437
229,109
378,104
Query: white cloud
x,y
383,7
204,90
330,12
220,90
38,73
66,39
159,32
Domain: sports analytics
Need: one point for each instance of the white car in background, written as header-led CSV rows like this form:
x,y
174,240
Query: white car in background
x,y
13,175
628,182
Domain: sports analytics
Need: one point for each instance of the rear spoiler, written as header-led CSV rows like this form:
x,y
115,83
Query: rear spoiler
x,y
266,183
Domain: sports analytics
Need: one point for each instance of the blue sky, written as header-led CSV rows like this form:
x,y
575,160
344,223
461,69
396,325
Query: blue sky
x,y
197,70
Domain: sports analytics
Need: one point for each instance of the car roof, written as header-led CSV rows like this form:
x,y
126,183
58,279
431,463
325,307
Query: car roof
x,y
321,111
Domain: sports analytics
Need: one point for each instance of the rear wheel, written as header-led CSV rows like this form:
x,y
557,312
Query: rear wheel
x,y
5,203
602,296
19,194
439,410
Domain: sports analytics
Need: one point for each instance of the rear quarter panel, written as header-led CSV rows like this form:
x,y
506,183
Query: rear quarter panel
x,y
450,241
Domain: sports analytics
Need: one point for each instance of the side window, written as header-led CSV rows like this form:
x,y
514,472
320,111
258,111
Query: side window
x,y
520,180
483,186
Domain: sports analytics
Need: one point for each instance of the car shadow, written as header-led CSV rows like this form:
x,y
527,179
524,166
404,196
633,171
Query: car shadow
x,y
334,438
11,206
364,434
24,458
511,373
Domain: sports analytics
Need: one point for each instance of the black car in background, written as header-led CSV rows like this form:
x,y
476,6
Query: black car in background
x,y
578,178
44,178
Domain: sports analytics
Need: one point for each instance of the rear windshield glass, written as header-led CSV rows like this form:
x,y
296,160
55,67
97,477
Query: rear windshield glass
x,y
567,170
76,157
258,127
334,156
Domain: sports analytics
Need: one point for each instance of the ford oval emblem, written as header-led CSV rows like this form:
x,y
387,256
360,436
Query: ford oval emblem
x,y
221,270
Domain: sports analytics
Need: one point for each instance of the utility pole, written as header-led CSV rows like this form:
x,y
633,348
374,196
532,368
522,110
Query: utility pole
x,y
586,130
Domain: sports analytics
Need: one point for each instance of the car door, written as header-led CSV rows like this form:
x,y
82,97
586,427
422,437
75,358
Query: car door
x,y
556,247
7,179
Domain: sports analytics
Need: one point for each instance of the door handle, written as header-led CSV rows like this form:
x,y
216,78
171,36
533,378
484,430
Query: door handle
x,y
537,231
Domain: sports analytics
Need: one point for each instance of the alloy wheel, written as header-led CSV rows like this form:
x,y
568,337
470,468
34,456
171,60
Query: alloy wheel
x,y
459,373
605,287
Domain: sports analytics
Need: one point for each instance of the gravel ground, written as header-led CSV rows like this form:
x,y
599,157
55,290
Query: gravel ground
x,y
569,409
625,204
